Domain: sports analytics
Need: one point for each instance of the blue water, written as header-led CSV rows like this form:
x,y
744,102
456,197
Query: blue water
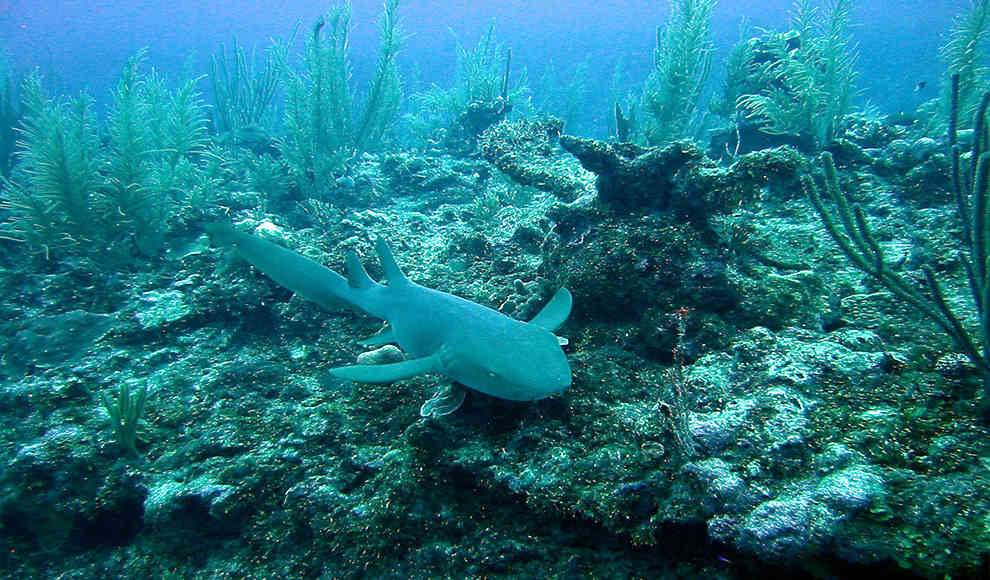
x,y
82,45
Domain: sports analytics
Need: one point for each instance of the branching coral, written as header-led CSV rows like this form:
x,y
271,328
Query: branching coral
x,y
479,98
847,226
381,105
244,95
322,131
52,190
965,54
807,77
152,131
682,61
71,191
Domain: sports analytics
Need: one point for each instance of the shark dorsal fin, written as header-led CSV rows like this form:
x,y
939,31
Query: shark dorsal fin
x,y
555,312
357,276
393,275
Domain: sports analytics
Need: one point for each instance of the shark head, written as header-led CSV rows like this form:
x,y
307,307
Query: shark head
x,y
526,367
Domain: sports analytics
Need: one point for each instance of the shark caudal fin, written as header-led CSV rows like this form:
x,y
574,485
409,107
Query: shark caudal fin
x,y
307,278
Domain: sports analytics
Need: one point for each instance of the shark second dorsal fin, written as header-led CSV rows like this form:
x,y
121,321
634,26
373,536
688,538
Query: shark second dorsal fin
x,y
555,312
357,276
393,275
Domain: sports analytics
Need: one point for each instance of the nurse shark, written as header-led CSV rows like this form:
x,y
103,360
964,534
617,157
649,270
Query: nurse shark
x,y
440,333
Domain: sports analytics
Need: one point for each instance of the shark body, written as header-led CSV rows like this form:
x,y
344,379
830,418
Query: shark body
x,y
471,344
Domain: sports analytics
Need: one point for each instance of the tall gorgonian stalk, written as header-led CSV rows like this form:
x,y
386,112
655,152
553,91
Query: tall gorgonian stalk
x,y
322,130
965,55
682,61
968,328
244,94
808,81
52,192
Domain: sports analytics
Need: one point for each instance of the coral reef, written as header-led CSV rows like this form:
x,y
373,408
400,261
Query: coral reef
x,y
753,390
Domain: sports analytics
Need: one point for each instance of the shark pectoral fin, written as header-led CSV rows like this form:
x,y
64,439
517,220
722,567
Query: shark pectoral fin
x,y
387,373
386,336
444,402
555,312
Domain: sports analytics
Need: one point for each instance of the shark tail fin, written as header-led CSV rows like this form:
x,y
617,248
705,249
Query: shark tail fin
x,y
310,280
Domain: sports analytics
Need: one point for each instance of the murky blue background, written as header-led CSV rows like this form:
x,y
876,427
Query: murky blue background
x,y
84,44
